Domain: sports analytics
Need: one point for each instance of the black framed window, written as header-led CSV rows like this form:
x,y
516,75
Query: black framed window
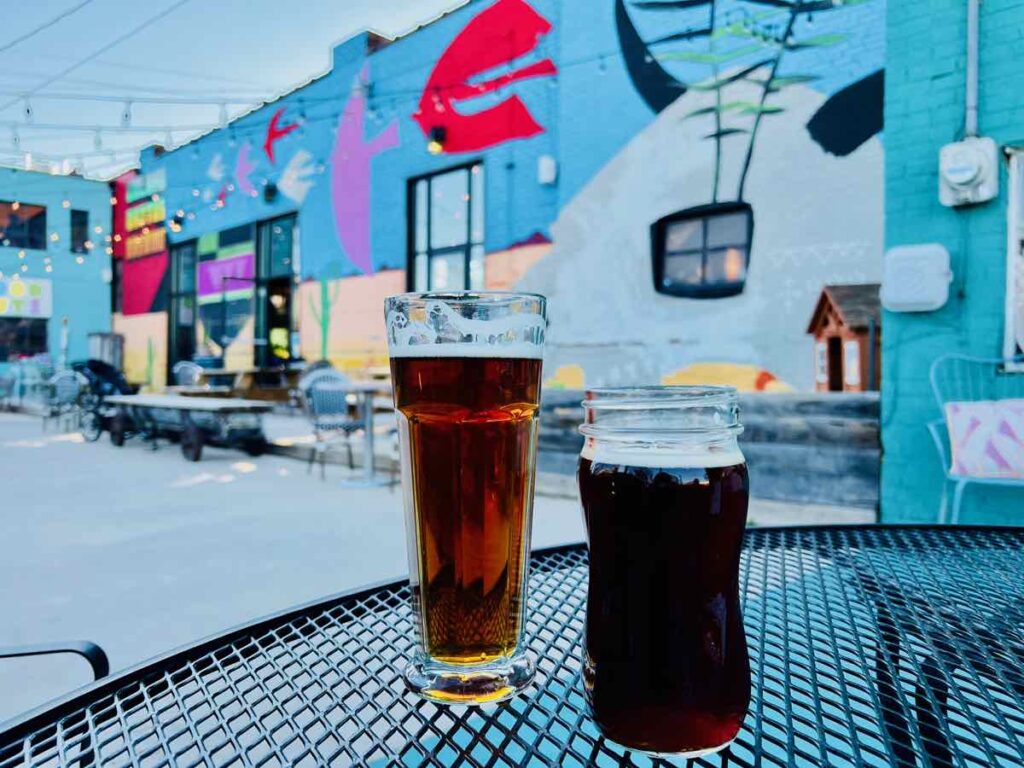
x,y
182,316
79,231
22,225
277,265
21,337
446,230
703,252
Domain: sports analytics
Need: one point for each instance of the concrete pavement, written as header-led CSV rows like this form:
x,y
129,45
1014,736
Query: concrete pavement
x,y
142,552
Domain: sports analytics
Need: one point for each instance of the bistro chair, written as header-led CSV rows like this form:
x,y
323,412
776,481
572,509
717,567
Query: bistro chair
x,y
978,437
67,390
6,393
186,373
328,405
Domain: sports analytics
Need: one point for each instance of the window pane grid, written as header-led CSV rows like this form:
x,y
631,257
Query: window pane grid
x,y
447,230
704,252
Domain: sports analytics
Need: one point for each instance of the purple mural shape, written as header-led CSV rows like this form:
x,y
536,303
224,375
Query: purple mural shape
x,y
243,167
350,174
240,271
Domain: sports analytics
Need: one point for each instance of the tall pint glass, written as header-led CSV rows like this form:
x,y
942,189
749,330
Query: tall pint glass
x,y
466,370
664,490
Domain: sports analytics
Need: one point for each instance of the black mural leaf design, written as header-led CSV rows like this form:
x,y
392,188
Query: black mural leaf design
x,y
850,117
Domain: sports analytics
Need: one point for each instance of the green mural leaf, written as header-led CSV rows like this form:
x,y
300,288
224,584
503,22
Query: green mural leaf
x,y
817,41
697,57
778,82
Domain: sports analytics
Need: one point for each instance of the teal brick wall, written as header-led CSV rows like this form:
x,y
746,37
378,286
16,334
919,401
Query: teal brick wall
x,y
925,78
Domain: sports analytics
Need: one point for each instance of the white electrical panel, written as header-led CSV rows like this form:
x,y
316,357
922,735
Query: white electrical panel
x,y
916,278
968,172
547,170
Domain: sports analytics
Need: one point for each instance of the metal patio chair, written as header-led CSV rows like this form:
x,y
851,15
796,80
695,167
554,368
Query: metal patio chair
x,y
67,391
962,378
328,404
6,393
186,373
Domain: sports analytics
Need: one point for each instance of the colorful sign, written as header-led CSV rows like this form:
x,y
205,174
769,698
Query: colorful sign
x,y
26,297
234,275
145,243
146,185
139,216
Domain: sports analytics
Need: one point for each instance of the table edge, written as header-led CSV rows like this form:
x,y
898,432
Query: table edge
x,y
22,725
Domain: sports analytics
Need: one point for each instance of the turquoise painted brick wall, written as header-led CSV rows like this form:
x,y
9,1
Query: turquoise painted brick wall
x,y
924,95
81,291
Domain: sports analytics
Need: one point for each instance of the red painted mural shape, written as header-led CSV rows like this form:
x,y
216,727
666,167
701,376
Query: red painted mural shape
x,y
140,282
496,36
276,131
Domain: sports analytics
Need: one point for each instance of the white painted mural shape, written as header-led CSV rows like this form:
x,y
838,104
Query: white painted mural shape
x,y
817,220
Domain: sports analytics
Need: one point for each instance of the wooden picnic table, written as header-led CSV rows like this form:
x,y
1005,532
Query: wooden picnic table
x,y
195,421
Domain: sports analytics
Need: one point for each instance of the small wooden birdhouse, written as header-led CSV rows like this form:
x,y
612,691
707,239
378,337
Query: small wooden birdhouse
x,y
847,330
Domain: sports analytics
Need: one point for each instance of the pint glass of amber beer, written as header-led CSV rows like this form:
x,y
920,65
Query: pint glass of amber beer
x,y
466,372
664,491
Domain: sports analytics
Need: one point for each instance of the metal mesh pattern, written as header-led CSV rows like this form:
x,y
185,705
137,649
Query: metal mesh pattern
x,y
869,646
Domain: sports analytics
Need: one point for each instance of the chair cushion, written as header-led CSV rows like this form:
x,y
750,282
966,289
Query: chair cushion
x,y
987,438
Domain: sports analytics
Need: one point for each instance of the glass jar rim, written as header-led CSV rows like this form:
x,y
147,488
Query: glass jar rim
x,y
667,413
659,396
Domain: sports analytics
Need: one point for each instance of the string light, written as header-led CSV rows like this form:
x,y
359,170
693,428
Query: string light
x,y
21,254
113,200
15,205
49,268
65,203
80,259
54,237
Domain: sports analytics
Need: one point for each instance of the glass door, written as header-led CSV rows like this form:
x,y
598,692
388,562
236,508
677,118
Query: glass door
x,y
276,251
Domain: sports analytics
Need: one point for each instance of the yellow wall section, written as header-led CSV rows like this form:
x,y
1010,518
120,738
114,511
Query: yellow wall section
x,y
746,378
504,269
355,325
145,348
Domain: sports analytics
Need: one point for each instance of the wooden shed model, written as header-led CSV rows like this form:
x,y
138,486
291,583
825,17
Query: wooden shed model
x,y
847,330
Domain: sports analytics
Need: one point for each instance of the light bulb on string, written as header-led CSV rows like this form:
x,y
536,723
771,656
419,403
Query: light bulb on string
x,y
48,268
65,203
28,111
21,254
79,259
126,114
113,200
15,205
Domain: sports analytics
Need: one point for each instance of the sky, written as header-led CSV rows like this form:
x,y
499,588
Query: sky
x,y
73,72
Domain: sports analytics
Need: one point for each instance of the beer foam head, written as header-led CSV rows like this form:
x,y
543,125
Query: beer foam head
x,y
476,325
724,454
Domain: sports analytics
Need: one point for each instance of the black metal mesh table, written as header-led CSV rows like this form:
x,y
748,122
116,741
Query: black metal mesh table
x,y
869,646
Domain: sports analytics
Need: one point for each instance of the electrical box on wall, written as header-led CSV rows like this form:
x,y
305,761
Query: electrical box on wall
x,y
968,172
916,278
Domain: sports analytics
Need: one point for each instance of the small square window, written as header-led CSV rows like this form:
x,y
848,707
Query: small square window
x,y
703,252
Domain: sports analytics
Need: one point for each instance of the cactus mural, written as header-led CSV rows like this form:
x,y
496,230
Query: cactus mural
x,y
329,291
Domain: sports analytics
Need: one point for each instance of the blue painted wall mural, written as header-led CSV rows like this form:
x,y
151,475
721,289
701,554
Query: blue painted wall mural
x,y
592,122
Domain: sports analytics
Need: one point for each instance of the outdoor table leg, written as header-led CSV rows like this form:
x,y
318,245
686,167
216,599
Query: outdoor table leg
x,y
370,477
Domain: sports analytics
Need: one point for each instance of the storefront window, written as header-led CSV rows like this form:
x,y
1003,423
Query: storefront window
x,y
183,302
79,231
703,252
21,337
447,230
22,225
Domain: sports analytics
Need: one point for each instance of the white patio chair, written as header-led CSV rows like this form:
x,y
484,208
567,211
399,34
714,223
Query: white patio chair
x,y
962,378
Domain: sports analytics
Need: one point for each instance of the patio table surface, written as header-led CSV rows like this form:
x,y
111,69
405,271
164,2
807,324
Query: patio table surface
x,y
869,645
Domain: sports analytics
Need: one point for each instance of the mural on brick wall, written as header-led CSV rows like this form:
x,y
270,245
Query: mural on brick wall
x,y
761,173
351,174
495,38
680,178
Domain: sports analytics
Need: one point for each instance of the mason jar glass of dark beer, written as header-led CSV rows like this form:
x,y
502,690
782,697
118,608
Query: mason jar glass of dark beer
x,y
664,491
466,371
